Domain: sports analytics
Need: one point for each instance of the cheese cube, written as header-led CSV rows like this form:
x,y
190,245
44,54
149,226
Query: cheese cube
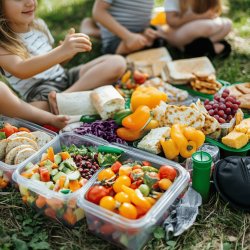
x,y
235,139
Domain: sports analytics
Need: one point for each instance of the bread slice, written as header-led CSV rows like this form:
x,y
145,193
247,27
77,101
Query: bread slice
x,y
22,134
159,113
184,70
151,142
24,154
10,157
41,138
3,145
107,101
12,143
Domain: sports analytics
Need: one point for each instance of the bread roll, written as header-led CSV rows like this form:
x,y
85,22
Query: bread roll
x,y
107,101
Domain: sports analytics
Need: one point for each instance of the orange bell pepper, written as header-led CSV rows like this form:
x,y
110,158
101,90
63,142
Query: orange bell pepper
x,y
138,119
129,135
148,96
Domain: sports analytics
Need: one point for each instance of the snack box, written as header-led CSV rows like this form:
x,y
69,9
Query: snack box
x,y
6,170
58,206
127,233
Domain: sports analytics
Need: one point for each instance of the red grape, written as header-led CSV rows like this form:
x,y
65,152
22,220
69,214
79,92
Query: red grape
x,y
216,117
229,105
221,113
208,107
226,91
206,102
224,95
211,112
221,120
228,111
216,105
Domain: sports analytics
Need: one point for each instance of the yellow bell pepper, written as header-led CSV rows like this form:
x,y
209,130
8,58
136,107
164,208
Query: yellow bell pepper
x,y
195,135
126,76
186,151
177,135
151,125
148,96
170,148
138,119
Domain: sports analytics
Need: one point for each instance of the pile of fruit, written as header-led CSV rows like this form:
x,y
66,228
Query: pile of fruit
x,y
223,107
130,188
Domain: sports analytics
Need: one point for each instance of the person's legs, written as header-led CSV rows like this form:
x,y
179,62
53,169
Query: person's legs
x,y
98,72
226,27
89,27
192,30
12,106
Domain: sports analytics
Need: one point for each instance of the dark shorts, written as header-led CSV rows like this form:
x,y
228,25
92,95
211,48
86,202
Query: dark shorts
x,y
111,47
40,91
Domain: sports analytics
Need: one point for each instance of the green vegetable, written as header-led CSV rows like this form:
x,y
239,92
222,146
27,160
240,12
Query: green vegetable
x,y
89,118
149,179
2,135
144,189
149,169
108,149
119,116
106,160
73,149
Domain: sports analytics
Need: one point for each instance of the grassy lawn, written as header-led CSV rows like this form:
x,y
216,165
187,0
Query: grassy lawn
x,y
217,226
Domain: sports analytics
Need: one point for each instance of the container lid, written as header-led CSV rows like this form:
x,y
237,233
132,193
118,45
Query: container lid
x,y
232,181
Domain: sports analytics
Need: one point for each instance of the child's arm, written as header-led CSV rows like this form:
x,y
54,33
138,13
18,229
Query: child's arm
x,y
101,15
175,19
26,68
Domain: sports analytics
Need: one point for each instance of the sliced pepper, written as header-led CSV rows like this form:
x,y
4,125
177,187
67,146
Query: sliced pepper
x,y
119,116
177,135
129,135
138,119
186,151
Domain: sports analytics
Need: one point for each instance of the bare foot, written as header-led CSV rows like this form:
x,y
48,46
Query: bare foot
x,y
218,47
59,121
53,103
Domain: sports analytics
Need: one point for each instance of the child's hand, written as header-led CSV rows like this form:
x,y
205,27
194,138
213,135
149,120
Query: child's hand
x,y
75,43
151,34
135,41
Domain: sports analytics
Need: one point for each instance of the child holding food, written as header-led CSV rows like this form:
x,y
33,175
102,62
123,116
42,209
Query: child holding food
x,y
12,106
32,66
124,25
196,27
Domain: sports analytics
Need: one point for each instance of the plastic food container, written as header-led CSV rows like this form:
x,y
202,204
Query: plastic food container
x,y
58,206
127,233
7,170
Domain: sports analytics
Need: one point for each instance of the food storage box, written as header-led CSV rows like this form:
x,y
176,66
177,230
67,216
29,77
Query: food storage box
x,y
6,170
58,206
127,233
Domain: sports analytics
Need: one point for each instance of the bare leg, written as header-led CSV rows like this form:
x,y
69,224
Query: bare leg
x,y
195,29
89,27
226,28
100,71
12,106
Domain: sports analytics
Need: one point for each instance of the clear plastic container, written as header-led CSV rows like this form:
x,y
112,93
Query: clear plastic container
x,y
6,170
58,206
127,233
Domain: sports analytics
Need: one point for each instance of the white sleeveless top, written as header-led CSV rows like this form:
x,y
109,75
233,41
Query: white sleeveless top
x,y
37,43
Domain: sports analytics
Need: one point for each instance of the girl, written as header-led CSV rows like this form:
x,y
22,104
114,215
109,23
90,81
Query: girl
x,y
12,106
33,68
124,25
193,23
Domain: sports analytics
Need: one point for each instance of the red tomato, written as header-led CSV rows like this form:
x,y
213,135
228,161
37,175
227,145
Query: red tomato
x,y
107,229
167,172
96,192
115,167
8,129
146,163
139,77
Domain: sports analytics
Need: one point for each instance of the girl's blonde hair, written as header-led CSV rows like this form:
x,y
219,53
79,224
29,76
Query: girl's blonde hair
x,y
201,6
9,40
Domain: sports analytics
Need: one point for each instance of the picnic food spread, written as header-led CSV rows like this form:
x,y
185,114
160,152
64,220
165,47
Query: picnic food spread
x,y
120,164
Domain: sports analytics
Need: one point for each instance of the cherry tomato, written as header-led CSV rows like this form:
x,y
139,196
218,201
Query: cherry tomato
x,y
105,174
146,163
136,184
125,170
108,202
107,229
96,192
115,167
121,180
122,197
150,200
165,184
8,129
136,167
128,210
167,172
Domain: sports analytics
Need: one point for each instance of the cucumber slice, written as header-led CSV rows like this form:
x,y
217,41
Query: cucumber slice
x,y
79,213
58,175
74,176
29,166
35,176
54,171
57,159
50,185
66,170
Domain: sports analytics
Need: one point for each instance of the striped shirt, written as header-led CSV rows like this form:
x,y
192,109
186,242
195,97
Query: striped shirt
x,y
37,43
135,15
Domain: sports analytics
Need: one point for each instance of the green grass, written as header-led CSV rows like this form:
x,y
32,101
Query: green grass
x,y
217,226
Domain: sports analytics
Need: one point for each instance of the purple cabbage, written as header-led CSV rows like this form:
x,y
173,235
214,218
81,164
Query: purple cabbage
x,y
103,129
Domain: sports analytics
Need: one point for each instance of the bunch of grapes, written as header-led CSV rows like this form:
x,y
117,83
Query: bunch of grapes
x,y
222,108
86,165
